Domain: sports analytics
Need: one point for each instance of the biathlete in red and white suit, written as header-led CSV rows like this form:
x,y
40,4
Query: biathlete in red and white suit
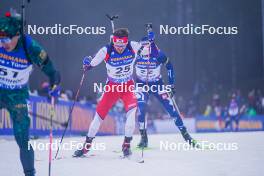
x,y
119,57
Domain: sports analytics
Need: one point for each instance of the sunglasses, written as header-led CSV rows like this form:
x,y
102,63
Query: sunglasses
x,y
120,40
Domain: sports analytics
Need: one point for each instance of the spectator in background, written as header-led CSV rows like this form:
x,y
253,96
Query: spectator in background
x,y
44,89
233,113
259,102
69,94
182,104
208,110
262,105
192,109
63,96
218,110
251,110
83,100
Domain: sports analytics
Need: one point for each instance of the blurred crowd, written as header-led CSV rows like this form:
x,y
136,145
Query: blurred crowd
x,y
250,103
65,95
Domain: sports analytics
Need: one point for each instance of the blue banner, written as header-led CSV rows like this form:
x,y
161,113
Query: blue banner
x,y
40,113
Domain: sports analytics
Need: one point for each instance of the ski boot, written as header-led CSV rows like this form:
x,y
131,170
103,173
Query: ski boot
x,y
188,138
86,146
30,173
144,139
126,147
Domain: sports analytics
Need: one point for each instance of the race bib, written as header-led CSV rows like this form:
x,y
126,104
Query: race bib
x,y
121,73
11,78
151,74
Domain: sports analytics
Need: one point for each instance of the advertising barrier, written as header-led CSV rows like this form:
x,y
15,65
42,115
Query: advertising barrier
x,y
39,113
246,123
168,125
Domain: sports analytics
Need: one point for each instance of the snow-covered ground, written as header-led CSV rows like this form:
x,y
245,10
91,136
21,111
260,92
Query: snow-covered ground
x,y
247,160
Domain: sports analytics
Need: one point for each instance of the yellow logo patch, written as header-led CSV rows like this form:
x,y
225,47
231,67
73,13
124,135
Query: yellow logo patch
x,y
43,54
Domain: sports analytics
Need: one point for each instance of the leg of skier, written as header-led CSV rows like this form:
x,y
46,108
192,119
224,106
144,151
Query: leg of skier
x,y
171,108
106,103
237,118
227,122
129,130
103,107
17,107
142,98
130,102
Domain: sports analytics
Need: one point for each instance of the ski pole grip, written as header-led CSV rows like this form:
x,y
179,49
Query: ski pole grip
x,y
149,27
108,16
111,17
115,17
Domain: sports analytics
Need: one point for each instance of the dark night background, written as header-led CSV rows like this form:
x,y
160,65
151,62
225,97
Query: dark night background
x,y
225,61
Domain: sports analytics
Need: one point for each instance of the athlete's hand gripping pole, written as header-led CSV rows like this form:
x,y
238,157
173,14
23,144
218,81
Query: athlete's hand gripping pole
x,y
151,35
87,63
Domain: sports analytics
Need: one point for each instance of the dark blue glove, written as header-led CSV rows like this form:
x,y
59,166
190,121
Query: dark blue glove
x,y
151,36
55,91
87,62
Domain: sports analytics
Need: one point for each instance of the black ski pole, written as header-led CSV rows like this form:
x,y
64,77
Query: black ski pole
x,y
23,16
149,29
112,18
71,110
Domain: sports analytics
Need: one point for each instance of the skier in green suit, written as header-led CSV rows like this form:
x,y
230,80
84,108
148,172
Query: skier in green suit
x,y
18,53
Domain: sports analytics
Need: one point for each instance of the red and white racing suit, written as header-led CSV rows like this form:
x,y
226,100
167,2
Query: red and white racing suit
x,y
120,85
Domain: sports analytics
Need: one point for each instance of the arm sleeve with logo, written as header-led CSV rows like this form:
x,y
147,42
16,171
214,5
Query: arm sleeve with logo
x,y
39,57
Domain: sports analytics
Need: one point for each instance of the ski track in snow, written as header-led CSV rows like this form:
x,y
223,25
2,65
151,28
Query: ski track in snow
x,y
247,160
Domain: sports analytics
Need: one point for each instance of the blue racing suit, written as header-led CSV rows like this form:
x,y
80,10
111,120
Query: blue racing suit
x,y
148,73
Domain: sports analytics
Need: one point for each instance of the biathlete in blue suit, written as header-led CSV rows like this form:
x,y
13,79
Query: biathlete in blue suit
x,y
148,73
